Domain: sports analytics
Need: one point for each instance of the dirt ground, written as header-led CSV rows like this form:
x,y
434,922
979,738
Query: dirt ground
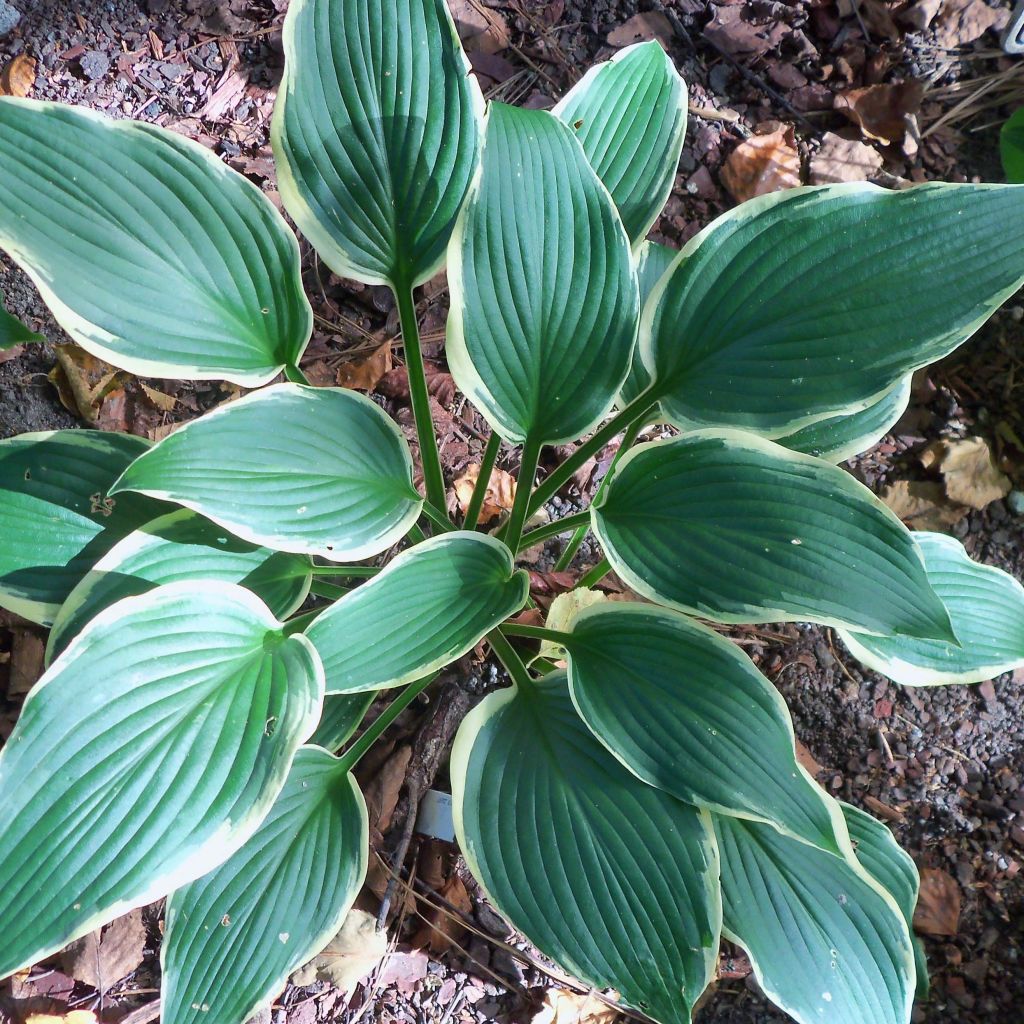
x,y
828,85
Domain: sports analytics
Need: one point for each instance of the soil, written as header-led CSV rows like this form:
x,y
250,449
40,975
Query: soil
x,y
943,766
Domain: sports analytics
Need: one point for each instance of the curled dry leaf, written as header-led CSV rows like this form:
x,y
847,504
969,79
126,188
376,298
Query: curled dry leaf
x,y
881,111
873,14
840,159
499,497
968,470
922,504
938,906
366,373
18,76
350,956
563,1006
762,164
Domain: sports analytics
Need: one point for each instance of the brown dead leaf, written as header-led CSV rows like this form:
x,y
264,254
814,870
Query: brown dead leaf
x,y
107,955
807,759
350,956
161,400
938,906
762,164
922,504
841,159
436,867
563,1006
384,788
881,111
404,970
499,496
732,32
962,21
918,16
26,664
642,28
365,374
968,471
82,381
440,385
18,77
481,29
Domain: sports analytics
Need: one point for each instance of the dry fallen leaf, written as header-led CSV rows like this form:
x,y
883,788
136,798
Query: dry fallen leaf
x,y
808,760
482,30
881,111
498,498
762,164
18,76
107,955
938,906
563,1006
875,15
441,929
73,1017
963,21
922,504
355,951
365,374
840,159
642,28
382,792
968,470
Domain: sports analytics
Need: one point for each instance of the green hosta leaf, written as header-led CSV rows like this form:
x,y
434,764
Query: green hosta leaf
x,y
13,331
340,718
838,438
149,751
826,944
316,470
56,518
376,134
181,546
735,528
814,301
432,603
892,868
652,261
630,115
615,881
686,711
986,607
234,936
544,295
151,252
1011,147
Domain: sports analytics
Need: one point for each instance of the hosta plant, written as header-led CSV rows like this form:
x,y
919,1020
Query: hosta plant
x,y
634,795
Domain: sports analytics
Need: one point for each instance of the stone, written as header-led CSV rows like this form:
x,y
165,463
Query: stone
x,y
10,17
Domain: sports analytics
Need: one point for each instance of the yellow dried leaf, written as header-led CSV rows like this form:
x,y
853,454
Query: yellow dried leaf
x,y
762,164
349,956
968,470
73,1017
365,374
499,497
563,1006
18,76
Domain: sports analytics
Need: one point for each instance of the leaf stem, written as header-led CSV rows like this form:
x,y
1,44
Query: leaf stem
x,y
437,517
636,410
351,571
579,520
578,537
476,503
535,633
328,590
524,484
596,574
510,659
430,458
416,534
374,731
295,375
